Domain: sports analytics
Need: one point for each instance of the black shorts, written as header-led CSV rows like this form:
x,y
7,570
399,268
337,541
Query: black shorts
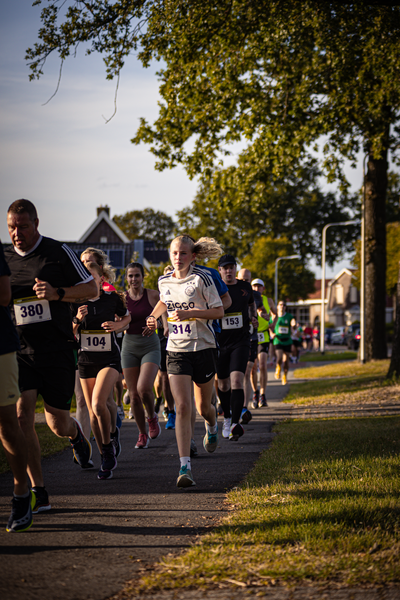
x,y
52,375
232,358
199,365
163,361
91,371
253,351
297,343
264,347
285,347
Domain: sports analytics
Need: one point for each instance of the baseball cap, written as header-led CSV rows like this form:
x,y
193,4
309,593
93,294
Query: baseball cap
x,y
257,282
227,259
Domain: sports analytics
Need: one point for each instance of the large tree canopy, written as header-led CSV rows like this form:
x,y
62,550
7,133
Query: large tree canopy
x,y
279,75
147,224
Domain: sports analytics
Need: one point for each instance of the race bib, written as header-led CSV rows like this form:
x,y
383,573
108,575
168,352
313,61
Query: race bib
x,y
96,341
232,321
31,310
283,330
182,330
261,337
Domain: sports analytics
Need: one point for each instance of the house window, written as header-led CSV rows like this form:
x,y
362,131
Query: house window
x,y
353,295
103,239
304,316
339,294
116,258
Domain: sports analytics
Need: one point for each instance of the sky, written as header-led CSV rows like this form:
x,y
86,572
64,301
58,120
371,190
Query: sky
x,y
61,154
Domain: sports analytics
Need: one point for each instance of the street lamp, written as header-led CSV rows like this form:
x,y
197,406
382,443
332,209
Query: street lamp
x,y
276,272
322,332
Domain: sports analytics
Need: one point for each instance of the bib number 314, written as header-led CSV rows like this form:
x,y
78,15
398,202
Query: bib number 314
x,y
182,330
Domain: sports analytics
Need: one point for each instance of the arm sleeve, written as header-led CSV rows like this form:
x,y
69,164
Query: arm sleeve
x,y
74,269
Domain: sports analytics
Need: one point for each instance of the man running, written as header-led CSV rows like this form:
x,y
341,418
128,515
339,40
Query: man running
x,y
45,277
259,397
234,342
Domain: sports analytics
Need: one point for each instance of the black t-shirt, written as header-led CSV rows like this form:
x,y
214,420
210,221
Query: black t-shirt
x,y
44,326
9,341
235,323
97,346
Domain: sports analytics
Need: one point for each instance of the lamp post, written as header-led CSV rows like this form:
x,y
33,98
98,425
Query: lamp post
x,y
276,272
322,331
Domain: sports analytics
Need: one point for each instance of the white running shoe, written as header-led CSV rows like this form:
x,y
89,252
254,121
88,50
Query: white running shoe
x,y
226,428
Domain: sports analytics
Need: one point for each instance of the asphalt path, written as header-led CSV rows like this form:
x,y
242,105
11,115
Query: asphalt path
x,y
99,534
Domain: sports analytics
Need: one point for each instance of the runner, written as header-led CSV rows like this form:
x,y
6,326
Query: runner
x,y
11,435
259,396
99,364
192,301
141,354
234,342
46,276
282,340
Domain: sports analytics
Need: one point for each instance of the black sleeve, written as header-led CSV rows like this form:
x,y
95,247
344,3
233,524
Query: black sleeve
x,y
4,268
74,270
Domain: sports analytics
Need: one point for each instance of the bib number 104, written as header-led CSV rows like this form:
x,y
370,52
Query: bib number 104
x,y
95,342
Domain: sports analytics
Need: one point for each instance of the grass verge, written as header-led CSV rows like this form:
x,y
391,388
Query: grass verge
x,y
50,444
345,383
320,506
318,357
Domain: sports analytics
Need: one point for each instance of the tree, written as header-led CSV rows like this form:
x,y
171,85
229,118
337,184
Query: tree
x,y
238,204
294,282
147,224
276,74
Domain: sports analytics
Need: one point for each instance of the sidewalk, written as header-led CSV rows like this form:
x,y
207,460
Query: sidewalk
x,y
100,534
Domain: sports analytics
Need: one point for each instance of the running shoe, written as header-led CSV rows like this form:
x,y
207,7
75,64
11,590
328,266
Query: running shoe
x,y
119,422
255,399
236,432
193,449
263,401
171,420
154,427
143,441
157,405
89,464
185,478
108,462
284,379
226,427
278,372
21,513
210,441
130,413
165,414
42,502
116,441
81,448
121,412
245,417
103,475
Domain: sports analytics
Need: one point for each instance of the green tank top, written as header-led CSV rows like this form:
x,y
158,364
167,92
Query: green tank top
x,y
282,330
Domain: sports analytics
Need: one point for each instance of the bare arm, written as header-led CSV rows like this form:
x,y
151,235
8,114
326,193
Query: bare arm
x,y
253,314
5,290
207,313
76,293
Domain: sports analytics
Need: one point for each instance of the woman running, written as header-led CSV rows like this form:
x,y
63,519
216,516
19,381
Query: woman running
x,y
282,339
191,299
99,362
141,354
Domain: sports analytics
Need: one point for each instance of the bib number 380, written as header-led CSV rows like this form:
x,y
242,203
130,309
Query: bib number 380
x,y
182,330
31,310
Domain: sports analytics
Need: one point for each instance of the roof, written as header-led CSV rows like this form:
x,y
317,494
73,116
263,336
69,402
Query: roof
x,y
103,216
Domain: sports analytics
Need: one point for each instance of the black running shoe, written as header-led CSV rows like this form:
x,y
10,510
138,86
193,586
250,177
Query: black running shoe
x,y
157,404
108,460
236,432
263,401
255,399
81,447
42,502
246,417
116,441
21,513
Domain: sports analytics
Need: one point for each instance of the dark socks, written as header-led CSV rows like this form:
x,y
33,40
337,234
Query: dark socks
x,y
237,402
225,398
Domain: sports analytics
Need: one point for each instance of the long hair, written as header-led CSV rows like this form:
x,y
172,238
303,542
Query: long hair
x,y
205,247
102,260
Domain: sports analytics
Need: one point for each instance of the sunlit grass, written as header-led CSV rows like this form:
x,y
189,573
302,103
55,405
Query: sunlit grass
x,y
318,357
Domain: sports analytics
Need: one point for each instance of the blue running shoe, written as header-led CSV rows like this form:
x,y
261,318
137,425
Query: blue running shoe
x,y
185,478
210,441
171,420
119,422
246,416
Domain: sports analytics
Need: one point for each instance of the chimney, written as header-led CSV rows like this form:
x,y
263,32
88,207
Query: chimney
x,y
106,208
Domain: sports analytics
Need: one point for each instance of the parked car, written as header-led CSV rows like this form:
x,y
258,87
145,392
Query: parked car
x,y
353,338
338,336
328,334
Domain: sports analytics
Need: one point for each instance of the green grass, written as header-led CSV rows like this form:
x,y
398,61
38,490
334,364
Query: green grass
x,y
318,357
49,443
344,383
321,506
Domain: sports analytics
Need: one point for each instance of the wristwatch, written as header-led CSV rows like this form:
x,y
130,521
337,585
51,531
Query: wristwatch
x,y
76,321
61,293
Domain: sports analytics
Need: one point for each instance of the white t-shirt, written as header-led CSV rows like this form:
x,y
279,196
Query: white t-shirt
x,y
196,291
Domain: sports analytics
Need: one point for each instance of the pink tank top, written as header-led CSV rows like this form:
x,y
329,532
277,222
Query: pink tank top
x,y
139,309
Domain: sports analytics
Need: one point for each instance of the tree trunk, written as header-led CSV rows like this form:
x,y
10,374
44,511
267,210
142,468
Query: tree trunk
x,y
375,258
394,369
